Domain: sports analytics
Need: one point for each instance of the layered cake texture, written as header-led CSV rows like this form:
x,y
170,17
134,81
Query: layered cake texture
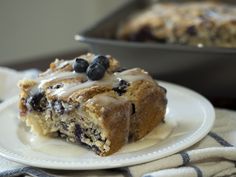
x,y
202,23
91,101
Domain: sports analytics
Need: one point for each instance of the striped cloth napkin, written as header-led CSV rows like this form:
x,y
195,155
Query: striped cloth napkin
x,y
214,155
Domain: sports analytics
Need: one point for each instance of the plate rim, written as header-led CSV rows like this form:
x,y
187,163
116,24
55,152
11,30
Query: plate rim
x,y
134,160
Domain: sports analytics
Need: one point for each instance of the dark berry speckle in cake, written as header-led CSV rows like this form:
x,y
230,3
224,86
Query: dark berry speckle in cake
x,y
121,87
57,86
133,108
96,149
78,132
36,102
142,34
64,126
191,30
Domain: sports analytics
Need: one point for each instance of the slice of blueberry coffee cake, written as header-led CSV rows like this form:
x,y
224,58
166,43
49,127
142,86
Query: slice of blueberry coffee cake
x,y
90,100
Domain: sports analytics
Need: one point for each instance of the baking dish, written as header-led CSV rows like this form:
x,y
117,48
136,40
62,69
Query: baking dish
x,y
209,70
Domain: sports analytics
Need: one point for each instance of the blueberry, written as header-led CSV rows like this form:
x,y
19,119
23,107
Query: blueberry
x,y
64,126
103,60
133,108
95,71
37,102
57,86
143,34
96,149
80,65
121,87
62,135
191,30
78,132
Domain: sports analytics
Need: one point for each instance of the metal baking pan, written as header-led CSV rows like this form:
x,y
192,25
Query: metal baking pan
x,y
208,70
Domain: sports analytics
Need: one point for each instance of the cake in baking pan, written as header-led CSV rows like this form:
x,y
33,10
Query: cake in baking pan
x,y
202,23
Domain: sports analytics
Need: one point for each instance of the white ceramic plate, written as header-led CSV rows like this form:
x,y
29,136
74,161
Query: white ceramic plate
x,y
189,118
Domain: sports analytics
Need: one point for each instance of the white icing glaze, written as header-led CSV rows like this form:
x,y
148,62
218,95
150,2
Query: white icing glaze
x,y
132,78
70,88
54,146
63,63
59,76
132,75
109,80
105,100
34,90
48,145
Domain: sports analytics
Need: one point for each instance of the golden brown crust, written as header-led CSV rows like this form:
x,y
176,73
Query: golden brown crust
x,y
145,116
25,86
85,94
114,118
96,113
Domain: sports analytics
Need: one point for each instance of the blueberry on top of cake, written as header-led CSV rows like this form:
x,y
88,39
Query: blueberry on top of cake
x,y
89,100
